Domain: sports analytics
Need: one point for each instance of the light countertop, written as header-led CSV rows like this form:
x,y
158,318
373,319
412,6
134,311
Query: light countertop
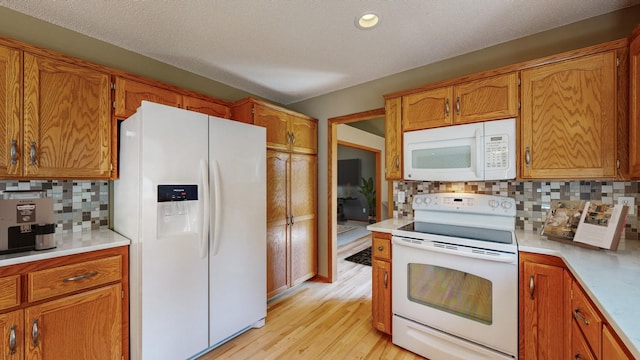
x,y
69,244
610,278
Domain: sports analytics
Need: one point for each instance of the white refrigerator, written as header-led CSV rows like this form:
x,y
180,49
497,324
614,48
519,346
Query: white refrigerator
x,y
191,197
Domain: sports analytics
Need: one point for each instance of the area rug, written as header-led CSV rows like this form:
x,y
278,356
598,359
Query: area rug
x,y
362,257
344,228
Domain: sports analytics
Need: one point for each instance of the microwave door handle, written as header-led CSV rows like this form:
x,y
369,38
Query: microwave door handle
x,y
479,154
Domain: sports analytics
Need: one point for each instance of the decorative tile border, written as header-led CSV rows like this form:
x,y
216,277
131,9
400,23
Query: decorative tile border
x,y
77,205
533,198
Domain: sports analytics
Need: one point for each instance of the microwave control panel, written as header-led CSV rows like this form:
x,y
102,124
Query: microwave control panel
x,y
496,148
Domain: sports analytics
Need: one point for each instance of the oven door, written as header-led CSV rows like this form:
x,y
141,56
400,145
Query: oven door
x,y
454,153
456,290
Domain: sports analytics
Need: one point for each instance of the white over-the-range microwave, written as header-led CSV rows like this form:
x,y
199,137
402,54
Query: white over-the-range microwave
x,y
470,152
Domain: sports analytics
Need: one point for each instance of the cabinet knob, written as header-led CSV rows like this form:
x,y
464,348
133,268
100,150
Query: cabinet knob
x,y
380,248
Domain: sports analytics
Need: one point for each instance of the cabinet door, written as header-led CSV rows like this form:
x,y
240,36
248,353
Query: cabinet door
x,y
569,119
487,99
542,299
381,295
12,332
579,347
427,109
67,120
634,104
129,95
304,135
206,107
303,215
393,139
611,348
277,222
10,112
83,326
277,124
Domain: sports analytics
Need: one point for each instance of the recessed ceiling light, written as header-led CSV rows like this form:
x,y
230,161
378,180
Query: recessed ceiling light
x,y
367,20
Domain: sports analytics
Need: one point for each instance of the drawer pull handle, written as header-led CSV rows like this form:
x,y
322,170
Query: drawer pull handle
x,y
80,277
14,152
579,316
577,356
386,279
12,340
32,153
380,248
35,333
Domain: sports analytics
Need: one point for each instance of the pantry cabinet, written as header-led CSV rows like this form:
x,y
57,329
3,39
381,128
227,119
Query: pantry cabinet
x,y
634,103
292,209
478,100
393,141
381,282
71,307
543,302
569,119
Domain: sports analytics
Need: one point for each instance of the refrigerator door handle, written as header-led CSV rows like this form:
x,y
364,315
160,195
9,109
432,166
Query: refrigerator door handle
x,y
204,241
217,208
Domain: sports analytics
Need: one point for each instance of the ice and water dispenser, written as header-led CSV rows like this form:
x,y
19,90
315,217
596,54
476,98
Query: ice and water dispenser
x,y
178,210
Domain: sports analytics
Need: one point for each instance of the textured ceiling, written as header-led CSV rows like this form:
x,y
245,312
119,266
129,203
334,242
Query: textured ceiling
x,y
287,51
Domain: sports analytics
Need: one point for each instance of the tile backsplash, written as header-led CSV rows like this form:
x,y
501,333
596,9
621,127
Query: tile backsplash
x,y
533,198
77,205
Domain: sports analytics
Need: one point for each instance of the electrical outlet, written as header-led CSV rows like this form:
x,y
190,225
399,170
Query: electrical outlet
x,y
364,210
401,197
630,201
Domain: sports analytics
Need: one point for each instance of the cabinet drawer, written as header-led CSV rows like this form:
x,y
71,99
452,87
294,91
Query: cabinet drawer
x,y
586,317
9,291
381,248
579,347
66,279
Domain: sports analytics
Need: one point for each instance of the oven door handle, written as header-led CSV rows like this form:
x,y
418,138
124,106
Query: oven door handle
x,y
467,252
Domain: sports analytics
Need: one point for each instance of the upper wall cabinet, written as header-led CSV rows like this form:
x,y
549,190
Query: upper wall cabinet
x,y
393,139
63,129
10,111
569,119
483,99
634,104
130,93
286,129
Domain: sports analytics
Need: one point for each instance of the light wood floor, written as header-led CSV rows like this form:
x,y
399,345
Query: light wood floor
x,y
319,321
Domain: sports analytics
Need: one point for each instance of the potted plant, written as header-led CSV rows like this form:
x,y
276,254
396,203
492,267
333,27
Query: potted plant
x,y
368,190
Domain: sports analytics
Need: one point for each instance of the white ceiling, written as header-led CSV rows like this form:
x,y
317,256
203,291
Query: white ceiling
x,y
291,50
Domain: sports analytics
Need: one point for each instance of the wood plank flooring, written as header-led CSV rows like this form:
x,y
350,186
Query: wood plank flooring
x,y
319,321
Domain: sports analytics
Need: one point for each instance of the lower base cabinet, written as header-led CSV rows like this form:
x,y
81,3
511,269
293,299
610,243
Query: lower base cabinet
x,y
557,318
80,311
381,282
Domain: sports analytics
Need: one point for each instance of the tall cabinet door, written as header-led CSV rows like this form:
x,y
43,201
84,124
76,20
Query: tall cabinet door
x,y
52,337
304,262
10,111
277,222
569,119
393,138
634,104
67,120
12,332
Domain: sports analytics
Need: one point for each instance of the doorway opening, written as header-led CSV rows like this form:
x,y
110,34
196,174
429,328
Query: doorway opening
x,y
382,196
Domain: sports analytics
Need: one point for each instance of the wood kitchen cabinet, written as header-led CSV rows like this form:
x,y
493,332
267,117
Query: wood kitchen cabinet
x,y
292,209
130,93
10,111
381,281
72,307
63,128
569,119
483,99
543,303
393,141
634,104
286,130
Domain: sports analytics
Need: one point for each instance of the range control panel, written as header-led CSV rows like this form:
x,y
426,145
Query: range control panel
x,y
465,203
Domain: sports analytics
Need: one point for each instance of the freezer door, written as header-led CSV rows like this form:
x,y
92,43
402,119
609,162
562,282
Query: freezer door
x,y
173,281
238,229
